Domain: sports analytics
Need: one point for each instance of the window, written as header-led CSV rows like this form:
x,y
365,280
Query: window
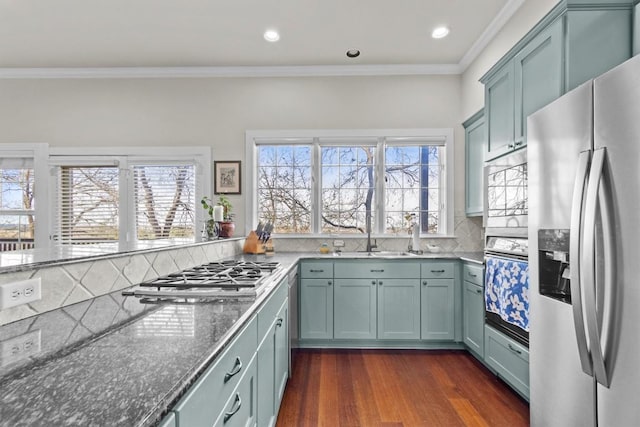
x,y
129,198
345,182
23,221
17,213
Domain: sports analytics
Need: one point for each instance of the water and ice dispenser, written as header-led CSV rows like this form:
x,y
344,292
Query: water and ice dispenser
x,y
553,261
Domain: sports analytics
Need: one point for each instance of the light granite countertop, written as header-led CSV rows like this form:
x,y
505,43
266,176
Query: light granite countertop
x,y
115,361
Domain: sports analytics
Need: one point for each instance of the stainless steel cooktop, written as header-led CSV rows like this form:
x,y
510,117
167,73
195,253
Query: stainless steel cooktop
x,y
215,279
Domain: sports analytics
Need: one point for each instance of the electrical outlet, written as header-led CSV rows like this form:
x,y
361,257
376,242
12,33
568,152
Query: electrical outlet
x,y
18,293
338,243
18,348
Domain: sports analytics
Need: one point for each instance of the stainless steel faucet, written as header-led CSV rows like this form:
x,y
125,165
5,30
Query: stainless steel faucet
x,y
370,246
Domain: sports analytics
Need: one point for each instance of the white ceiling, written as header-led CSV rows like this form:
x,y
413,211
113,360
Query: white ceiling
x,y
228,33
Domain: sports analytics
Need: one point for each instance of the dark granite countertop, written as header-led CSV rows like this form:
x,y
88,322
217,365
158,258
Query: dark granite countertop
x,y
115,361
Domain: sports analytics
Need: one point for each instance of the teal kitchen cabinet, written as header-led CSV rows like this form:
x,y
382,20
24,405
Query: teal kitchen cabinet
x,y
473,308
240,409
499,111
272,357
475,146
399,309
355,309
377,300
576,41
437,297
316,300
538,76
636,30
508,358
206,401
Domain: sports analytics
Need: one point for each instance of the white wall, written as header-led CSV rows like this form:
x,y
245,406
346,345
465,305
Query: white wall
x,y
520,23
217,111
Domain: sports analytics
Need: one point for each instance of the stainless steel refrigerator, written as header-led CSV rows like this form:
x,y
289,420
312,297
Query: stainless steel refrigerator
x,y
584,254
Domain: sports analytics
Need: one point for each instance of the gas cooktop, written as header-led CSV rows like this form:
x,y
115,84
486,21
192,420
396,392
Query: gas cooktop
x,y
215,279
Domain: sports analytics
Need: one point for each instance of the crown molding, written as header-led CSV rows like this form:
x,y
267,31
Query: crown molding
x,y
248,71
489,33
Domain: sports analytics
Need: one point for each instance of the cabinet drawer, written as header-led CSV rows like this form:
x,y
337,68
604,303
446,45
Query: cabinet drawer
x,y
316,270
268,312
509,359
355,269
438,270
473,273
203,402
240,409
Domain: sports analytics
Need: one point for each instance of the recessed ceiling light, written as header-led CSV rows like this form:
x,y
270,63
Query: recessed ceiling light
x,y
439,32
271,36
353,53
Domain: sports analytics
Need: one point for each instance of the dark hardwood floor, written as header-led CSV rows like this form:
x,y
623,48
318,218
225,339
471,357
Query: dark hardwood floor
x,y
396,388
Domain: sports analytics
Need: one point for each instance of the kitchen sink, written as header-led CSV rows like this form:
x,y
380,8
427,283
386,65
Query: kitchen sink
x,y
377,254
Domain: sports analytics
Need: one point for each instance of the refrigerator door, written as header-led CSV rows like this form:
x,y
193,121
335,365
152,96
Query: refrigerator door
x,y
561,393
617,128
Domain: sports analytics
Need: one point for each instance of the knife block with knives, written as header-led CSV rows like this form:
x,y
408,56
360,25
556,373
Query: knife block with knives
x,y
259,240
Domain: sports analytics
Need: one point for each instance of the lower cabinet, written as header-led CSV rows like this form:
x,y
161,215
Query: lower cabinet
x,y
204,402
508,358
273,357
399,309
473,308
240,409
355,309
438,316
245,385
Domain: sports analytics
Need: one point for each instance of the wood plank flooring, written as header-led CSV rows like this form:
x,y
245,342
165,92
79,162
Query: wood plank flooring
x,y
396,388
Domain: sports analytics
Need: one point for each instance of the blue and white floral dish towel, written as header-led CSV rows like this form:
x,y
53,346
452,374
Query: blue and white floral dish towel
x,y
507,290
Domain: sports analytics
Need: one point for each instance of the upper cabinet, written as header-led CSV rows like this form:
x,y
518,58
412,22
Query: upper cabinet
x,y
475,146
636,30
578,40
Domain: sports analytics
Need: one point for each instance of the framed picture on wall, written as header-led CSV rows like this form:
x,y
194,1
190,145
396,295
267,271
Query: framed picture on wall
x,y
227,177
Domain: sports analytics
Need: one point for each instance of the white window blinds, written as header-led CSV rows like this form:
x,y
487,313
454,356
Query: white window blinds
x,y
87,204
164,201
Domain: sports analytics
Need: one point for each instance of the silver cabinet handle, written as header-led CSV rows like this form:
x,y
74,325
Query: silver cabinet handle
x,y
437,271
575,259
373,282
237,367
424,283
279,322
478,291
511,145
513,349
329,283
380,282
311,270
377,271
593,324
471,274
518,143
237,403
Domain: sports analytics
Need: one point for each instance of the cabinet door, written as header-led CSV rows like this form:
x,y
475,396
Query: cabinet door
x,y
399,309
473,317
437,306
316,308
266,378
538,76
281,354
355,309
475,146
499,112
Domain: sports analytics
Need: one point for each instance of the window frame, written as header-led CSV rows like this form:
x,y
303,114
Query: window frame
x,y
382,137
125,158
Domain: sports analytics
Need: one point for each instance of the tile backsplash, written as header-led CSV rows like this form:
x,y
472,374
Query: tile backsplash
x,y
71,282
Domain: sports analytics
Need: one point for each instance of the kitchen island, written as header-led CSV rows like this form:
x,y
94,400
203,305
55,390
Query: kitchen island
x,y
115,360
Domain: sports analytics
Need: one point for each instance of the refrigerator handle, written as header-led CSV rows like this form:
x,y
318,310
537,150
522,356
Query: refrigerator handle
x,y
589,279
575,251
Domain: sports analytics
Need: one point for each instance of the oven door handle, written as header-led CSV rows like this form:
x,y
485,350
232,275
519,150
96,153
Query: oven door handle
x,y
593,309
575,254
